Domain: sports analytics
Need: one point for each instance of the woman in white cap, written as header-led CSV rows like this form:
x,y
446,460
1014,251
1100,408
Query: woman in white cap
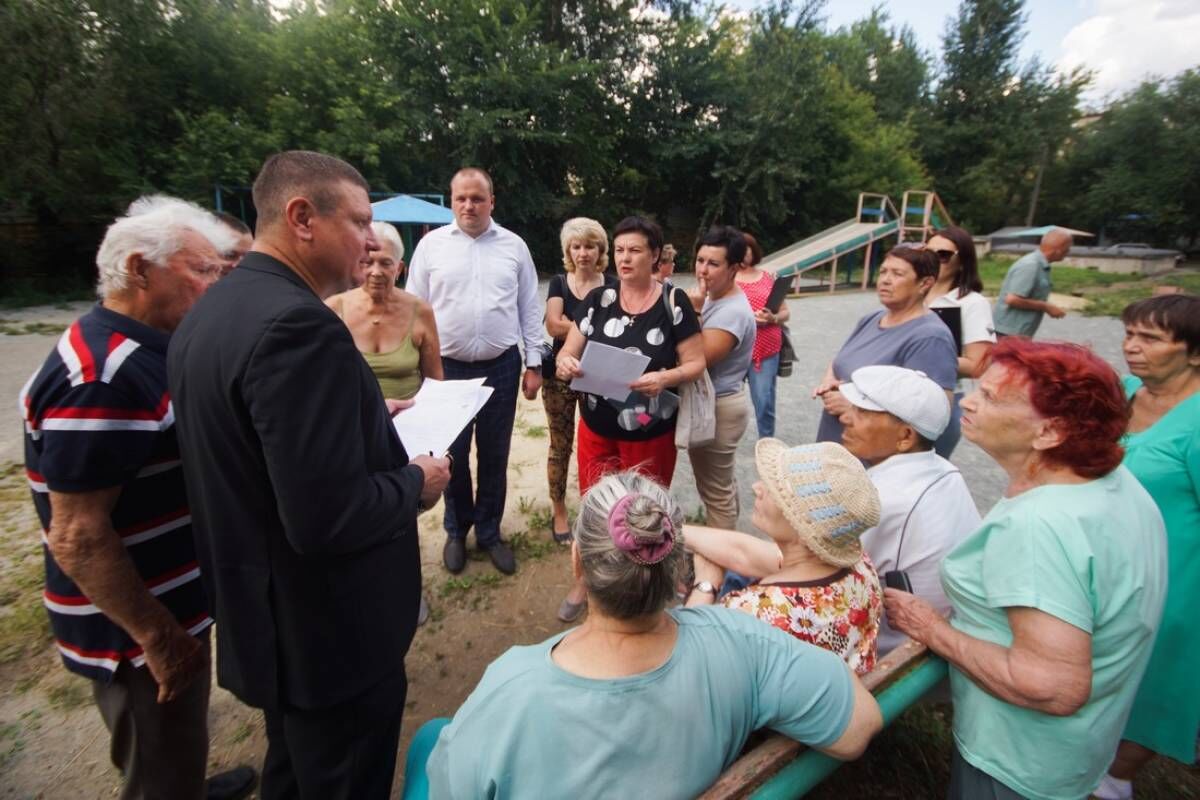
x,y
814,502
895,416
640,701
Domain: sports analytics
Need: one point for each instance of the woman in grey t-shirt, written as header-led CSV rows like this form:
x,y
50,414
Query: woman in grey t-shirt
x,y
902,334
727,329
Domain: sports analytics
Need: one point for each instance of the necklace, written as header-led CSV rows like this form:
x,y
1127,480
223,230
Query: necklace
x,y
644,304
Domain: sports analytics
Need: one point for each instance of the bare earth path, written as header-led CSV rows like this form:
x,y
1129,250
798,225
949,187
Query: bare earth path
x,y
52,743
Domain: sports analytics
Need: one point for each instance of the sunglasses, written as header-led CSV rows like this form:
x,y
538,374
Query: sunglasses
x,y
945,255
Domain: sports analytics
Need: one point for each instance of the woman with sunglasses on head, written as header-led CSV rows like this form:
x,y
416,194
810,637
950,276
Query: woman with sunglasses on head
x,y
901,334
958,285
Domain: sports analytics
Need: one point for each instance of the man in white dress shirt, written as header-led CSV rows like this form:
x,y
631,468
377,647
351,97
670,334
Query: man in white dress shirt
x,y
481,282
895,416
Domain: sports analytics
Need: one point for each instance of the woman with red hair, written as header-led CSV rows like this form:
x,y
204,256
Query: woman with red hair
x,y
1057,596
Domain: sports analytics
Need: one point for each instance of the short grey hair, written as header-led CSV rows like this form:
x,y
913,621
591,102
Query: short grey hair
x,y
153,227
620,586
386,233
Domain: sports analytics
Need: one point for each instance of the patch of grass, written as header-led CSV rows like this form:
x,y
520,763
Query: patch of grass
x,y
24,627
241,733
531,548
540,519
1066,280
72,693
1111,303
463,586
20,294
536,431
699,517
11,744
49,328
525,504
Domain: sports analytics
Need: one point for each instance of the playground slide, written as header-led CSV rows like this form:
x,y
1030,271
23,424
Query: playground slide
x,y
877,218
827,245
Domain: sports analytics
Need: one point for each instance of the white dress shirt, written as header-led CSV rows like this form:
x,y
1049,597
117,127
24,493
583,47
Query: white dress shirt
x,y
483,291
945,515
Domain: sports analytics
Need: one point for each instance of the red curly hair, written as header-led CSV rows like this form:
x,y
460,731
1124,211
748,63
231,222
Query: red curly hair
x,y
1070,383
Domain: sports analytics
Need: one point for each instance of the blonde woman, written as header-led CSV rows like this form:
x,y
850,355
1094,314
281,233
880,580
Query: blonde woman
x,y
585,255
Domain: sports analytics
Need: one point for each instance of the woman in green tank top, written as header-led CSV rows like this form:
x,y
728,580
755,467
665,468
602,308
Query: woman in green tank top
x,y
394,331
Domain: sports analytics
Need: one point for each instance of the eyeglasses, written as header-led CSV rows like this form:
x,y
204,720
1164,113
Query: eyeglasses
x,y
945,255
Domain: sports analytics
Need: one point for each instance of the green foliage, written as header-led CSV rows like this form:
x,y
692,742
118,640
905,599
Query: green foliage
x,y
992,121
577,107
1134,172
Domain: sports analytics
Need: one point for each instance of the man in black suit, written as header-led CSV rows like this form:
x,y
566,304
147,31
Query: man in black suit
x,y
304,501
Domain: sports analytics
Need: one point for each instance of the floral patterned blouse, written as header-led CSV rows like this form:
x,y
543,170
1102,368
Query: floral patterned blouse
x,y
840,613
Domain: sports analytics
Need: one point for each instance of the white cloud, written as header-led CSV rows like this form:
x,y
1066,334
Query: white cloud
x,y
1125,41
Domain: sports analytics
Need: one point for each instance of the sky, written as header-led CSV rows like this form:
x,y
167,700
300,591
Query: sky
x,y
1122,41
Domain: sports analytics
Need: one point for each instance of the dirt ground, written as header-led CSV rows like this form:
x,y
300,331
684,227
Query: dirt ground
x,y
52,742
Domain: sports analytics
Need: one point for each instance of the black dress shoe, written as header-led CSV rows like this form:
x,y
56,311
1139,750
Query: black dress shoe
x,y
502,557
233,784
454,554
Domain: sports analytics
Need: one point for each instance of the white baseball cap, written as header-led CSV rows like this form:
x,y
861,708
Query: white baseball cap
x,y
907,394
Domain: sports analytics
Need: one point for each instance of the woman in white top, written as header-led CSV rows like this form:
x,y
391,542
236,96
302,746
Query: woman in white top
x,y
959,286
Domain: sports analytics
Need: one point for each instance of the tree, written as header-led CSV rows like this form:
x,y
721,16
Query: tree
x,y
992,121
1133,173
884,62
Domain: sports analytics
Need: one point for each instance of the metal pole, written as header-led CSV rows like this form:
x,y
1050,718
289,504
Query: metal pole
x,y
217,193
1037,187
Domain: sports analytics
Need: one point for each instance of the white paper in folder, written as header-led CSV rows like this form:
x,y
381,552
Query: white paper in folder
x,y
440,411
608,371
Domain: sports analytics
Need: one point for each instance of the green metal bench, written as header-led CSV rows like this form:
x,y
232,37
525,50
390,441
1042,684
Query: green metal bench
x,y
782,768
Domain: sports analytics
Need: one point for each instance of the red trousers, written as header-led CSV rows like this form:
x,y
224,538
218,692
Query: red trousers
x,y
598,455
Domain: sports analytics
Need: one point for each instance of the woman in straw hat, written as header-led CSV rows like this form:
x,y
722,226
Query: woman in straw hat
x,y
814,502
639,701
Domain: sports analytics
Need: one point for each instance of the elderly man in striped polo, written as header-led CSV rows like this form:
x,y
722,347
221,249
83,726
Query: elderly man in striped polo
x,y
123,588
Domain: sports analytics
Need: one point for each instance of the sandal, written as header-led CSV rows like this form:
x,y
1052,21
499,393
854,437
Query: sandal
x,y
562,537
569,612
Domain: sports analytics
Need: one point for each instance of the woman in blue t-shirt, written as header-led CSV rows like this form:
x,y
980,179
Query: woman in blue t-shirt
x,y
901,334
640,701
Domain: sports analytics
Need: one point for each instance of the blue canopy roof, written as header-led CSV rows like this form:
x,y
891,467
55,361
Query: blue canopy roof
x,y
406,209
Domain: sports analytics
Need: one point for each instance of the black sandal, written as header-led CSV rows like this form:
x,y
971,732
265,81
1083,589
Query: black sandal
x,y
562,538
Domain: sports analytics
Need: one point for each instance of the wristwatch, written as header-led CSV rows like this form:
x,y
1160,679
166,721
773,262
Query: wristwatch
x,y
706,587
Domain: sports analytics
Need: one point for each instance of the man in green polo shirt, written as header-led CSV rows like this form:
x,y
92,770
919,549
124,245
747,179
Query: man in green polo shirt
x,y
1023,295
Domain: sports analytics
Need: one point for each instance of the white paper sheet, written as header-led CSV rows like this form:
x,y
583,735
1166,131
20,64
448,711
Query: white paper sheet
x,y
440,410
608,371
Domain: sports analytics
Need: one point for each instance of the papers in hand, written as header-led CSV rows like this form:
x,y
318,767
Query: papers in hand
x,y
608,371
440,410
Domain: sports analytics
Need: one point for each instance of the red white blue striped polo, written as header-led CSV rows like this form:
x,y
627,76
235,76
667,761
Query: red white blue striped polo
x,y
97,415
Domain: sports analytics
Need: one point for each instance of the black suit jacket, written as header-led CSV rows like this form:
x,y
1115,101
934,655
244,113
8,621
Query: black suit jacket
x,y
303,503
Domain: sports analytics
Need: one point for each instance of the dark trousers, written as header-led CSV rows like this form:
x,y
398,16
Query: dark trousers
x,y
968,782
492,429
161,749
343,753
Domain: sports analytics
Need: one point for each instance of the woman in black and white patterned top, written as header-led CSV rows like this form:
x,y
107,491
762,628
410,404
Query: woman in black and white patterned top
x,y
638,433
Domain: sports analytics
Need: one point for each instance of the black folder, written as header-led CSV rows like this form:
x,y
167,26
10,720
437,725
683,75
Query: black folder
x,y
779,293
952,316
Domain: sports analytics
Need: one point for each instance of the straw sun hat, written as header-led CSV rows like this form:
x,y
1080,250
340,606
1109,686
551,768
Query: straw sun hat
x,y
824,492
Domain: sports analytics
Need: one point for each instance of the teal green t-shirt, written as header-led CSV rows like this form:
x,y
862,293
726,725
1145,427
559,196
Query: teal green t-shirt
x,y
1028,277
1093,555
531,729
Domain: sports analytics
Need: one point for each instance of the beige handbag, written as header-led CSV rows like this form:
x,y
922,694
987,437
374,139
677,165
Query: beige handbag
x,y
696,422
